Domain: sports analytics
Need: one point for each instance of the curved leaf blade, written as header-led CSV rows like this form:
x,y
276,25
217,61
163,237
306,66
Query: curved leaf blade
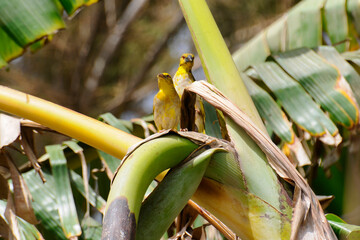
x,y
171,196
343,230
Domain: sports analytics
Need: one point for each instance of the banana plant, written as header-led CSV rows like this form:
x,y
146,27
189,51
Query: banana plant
x,y
237,180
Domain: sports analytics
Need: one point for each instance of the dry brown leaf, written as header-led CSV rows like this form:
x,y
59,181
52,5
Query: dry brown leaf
x,y
186,217
4,187
4,194
328,139
9,129
183,234
187,119
32,158
22,197
199,233
4,229
212,233
325,200
308,220
14,233
297,153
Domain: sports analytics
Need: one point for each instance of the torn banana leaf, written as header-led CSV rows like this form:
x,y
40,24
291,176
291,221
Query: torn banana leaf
x,y
346,70
323,82
269,110
276,118
46,207
27,21
9,50
306,115
301,26
304,25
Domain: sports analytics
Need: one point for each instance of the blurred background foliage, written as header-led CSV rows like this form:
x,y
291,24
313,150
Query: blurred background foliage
x,y
154,37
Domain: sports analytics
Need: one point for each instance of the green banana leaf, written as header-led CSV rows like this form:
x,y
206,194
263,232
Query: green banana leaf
x,y
31,23
301,75
323,83
303,26
110,161
46,207
343,230
45,204
269,110
64,197
348,72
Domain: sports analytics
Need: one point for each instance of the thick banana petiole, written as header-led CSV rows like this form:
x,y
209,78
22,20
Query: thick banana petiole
x,y
170,197
133,178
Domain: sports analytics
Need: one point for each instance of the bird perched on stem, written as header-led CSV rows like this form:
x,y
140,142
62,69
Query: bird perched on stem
x,y
166,105
183,78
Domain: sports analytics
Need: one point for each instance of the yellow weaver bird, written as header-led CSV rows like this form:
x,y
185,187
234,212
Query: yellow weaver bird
x,y
166,106
183,78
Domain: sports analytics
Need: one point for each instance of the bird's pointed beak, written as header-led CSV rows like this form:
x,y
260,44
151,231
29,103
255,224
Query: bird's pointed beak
x,y
189,58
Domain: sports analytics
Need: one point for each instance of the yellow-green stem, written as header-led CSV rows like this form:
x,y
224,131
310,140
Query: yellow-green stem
x,y
66,121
